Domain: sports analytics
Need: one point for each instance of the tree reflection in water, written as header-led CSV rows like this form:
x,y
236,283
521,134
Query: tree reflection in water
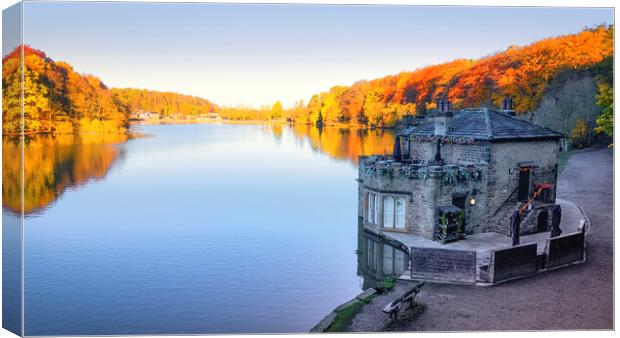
x,y
52,164
346,143
55,163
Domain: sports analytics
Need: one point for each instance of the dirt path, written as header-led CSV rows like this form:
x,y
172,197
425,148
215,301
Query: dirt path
x,y
578,297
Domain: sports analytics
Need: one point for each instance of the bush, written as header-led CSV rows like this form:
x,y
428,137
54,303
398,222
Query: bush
x,y
579,134
387,284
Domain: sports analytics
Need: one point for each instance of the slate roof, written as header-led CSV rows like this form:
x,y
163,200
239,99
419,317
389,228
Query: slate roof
x,y
487,125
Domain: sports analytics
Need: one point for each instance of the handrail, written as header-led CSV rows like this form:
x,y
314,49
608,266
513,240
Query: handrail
x,y
506,200
541,187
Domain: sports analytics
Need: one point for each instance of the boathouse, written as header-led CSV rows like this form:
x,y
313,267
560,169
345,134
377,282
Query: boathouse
x,y
462,187
478,165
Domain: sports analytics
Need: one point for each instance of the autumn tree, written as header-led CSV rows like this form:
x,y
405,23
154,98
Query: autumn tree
x,y
12,96
56,98
314,109
579,134
373,109
331,110
277,112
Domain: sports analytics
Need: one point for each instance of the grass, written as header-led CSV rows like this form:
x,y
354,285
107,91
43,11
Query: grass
x,y
563,159
345,316
387,284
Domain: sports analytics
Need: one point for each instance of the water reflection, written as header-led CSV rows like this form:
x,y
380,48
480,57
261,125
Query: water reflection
x,y
53,164
378,259
345,143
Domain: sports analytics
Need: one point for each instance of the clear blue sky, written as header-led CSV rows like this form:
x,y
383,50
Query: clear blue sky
x,y
256,54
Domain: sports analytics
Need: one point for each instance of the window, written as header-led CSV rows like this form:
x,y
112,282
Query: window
x,y
394,212
400,213
388,212
372,213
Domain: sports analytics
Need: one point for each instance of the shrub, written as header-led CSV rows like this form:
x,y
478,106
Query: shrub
x,y
579,134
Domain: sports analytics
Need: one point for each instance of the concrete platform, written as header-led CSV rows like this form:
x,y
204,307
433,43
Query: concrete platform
x,y
572,219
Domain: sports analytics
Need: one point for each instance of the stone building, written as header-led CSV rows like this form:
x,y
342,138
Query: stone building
x,y
485,163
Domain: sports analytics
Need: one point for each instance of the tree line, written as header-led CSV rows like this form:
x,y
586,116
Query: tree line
x,y
60,100
56,98
519,72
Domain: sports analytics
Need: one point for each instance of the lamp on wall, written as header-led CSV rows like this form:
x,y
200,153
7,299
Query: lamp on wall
x,y
472,200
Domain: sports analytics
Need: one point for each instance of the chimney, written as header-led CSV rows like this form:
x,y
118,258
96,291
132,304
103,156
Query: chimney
x,y
507,106
443,118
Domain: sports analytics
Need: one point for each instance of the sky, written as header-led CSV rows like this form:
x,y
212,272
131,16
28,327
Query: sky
x,y
251,54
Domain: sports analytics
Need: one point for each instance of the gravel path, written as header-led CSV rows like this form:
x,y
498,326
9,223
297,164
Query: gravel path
x,y
578,297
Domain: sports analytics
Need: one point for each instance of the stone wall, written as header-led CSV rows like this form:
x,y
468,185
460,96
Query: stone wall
x,y
393,186
423,196
443,265
503,180
480,152
475,215
495,191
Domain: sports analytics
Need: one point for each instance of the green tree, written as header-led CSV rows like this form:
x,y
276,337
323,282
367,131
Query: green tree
x,y
605,100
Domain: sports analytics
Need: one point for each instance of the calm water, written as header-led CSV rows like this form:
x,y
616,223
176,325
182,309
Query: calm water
x,y
193,229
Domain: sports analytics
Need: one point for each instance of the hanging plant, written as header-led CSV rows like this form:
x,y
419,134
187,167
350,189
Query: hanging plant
x,y
423,173
463,174
449,176
445,139
476,173
460,218
369,170
407,171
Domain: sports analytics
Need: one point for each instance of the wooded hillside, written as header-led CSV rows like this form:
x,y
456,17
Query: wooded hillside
x,y
164,103
519,72
59,100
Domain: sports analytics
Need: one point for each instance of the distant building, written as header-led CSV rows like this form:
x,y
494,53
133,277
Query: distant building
x,y
143,116
209,116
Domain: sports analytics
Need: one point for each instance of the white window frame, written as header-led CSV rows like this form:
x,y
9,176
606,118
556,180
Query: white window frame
x,y
400,221
372,208
391,221
388,211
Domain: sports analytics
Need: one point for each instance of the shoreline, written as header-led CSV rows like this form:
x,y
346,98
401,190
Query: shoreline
x,y
133,134
258,122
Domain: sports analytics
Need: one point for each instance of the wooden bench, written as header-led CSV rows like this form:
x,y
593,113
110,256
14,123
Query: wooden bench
x,y
403,302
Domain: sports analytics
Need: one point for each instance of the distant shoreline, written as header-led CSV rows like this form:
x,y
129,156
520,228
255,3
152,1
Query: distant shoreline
x,y
263,122
131,133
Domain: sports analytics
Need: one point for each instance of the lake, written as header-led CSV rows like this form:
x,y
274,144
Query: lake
x,y
197,228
